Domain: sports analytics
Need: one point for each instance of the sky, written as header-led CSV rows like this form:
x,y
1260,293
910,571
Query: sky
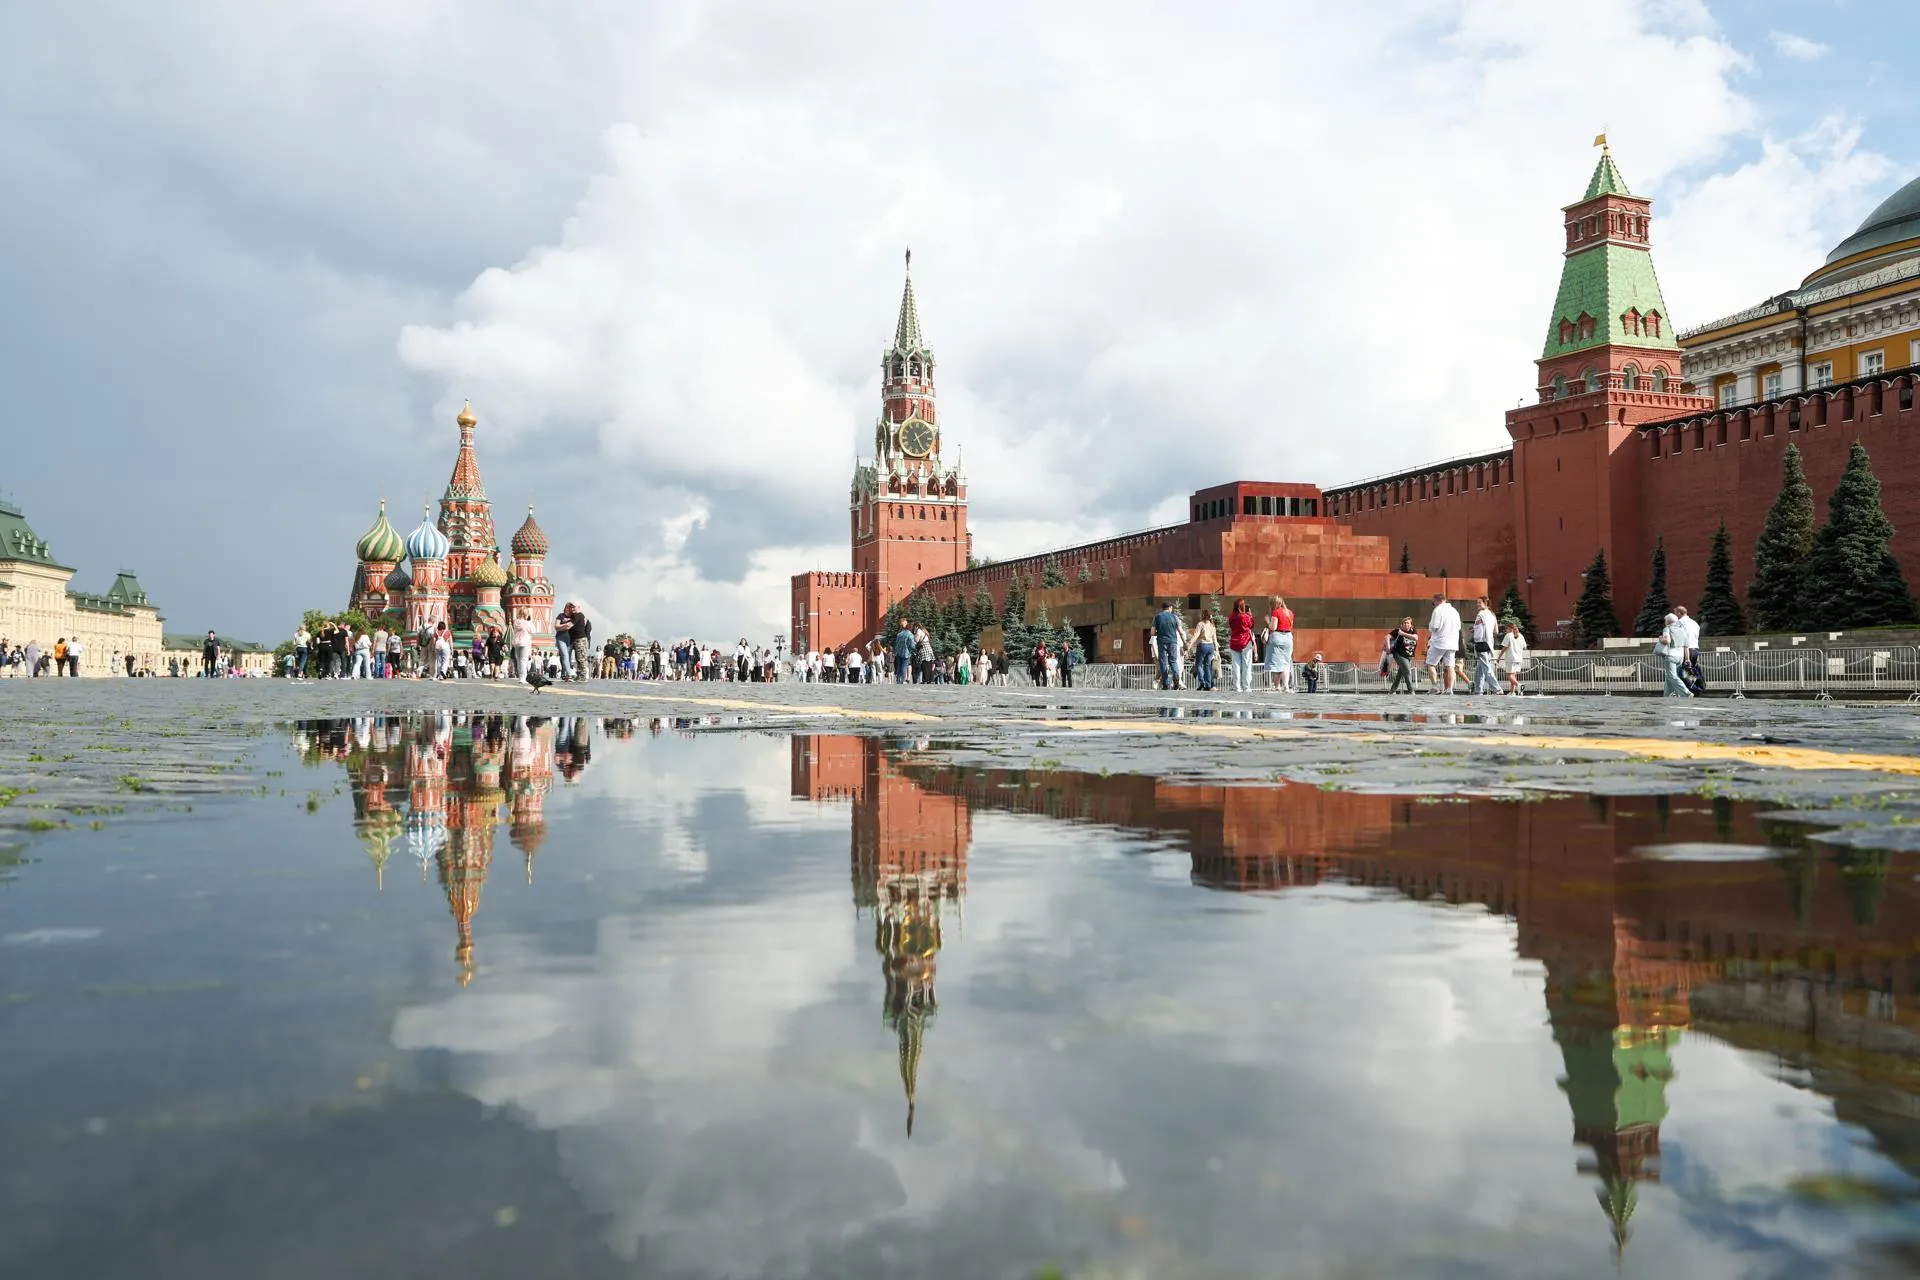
x,y
253,258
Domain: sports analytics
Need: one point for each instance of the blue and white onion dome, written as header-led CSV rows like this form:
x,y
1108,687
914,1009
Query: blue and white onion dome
x,y
427,542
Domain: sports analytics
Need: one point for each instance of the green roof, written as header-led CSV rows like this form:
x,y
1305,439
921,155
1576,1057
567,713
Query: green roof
x,y
906,333
1606,179
1605,282
126,589
18,541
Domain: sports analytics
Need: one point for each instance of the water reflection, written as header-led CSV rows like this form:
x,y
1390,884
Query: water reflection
x,y
441,786
1805,956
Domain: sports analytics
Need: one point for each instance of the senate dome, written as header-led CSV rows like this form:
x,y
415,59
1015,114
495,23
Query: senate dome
x,y
380,544
1895,222
531,540
427,542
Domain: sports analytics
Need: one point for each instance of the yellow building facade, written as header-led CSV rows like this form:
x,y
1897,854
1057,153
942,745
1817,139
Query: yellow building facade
x,y
1856,317
39,605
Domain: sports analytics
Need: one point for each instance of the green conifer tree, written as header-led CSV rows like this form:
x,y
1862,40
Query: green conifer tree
x,y
1779,557
1014,613
1406,558
1652,618
981,614
1067,640
1052,577
1850,578
1720,613
891,621
1086,572
1594,613
1513,608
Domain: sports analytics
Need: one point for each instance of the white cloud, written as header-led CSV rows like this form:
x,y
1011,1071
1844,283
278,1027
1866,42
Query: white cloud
x,y
1797,47
1291,241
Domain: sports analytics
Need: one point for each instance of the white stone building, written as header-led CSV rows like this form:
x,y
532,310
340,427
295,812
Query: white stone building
x,y
38,604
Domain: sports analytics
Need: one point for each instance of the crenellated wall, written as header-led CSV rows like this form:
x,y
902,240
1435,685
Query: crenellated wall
x,y
1453,520
1726,464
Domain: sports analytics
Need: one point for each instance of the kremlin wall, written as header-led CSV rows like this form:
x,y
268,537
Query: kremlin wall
x,y
1638,435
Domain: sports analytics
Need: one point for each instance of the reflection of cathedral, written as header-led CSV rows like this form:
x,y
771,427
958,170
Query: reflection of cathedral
x,y
909,870
440,786
1633,948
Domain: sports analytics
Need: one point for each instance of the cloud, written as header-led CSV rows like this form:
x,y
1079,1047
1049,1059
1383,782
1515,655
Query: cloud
x,y
1797,47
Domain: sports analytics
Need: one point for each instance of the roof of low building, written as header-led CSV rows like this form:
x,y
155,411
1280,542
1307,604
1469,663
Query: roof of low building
x,y
18,541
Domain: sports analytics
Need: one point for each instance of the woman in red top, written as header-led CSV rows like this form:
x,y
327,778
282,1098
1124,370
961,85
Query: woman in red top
x,y
1280,645
1240,646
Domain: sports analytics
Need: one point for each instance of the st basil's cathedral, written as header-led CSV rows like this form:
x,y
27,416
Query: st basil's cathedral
x,y
450,569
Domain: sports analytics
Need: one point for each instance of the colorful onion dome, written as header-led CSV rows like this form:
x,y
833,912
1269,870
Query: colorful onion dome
x,y
380,544
488,573
531,540
399,579
427,542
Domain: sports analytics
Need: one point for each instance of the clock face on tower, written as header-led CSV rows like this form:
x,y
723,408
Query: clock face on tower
x,y
916,437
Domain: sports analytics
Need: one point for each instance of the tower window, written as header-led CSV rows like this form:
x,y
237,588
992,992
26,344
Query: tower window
x,y
1652,323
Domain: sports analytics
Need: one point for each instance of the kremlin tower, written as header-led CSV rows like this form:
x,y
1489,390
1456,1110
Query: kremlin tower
x,y
453,569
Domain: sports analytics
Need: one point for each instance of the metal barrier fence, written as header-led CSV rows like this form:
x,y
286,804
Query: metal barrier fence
x,y
1835,671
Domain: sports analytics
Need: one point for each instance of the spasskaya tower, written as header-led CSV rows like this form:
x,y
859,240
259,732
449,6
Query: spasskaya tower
x,y
908,508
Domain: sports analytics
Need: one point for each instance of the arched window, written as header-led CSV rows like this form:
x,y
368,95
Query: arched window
x,y
1590,381
1659,377
1632,372
1559,386
899,368
1566,332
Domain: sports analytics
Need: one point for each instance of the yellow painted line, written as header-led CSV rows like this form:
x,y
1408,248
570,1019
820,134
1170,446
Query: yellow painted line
x,y
742,704
1772,757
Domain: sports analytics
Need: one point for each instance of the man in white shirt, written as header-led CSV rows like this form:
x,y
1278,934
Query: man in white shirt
x,y
522,645
1486,638
1443,642
1690,661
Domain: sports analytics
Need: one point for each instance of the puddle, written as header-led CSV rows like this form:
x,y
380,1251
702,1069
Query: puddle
x,y
507,997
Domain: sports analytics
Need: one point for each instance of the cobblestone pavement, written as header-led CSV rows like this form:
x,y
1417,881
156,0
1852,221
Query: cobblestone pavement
x,y
78,752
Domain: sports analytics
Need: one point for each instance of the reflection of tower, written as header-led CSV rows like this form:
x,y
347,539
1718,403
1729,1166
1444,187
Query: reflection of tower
x,y
529,776
909,866
473,811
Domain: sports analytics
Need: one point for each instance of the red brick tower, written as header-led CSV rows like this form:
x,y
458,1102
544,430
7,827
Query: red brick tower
x,y
1610,363
909,510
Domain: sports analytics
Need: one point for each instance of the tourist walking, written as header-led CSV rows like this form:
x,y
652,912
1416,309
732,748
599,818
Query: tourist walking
x,y
1206,643
1513,656
1672,648
1280,646
1239,646
1166,640
1486,632
1690,663
1443,643
209,654
1401,646
302,646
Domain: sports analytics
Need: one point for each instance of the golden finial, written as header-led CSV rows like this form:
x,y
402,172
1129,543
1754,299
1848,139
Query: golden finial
x,y
466,418
1600,141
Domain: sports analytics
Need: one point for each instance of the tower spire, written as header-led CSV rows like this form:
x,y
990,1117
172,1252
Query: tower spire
x,y
906,334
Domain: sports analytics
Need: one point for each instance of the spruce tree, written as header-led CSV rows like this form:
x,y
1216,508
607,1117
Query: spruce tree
x,y
1850,578
1086,572
890,623
1720,613
1405,558
1014,614
1594,613
1652,618
980,614
1052,577
1779,558
1067,640
1513,608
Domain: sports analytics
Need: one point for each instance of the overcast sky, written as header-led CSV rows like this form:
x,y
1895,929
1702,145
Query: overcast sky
x,y
253,257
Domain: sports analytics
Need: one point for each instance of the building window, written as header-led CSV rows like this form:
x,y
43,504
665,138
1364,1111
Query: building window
x,y
1559,386
1632,371
1566,332
1723,394
1872,363
1770,386
1589,381
1820,375
1913,352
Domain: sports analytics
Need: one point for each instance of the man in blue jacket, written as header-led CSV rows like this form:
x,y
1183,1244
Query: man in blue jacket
x,y
1166,641
902,653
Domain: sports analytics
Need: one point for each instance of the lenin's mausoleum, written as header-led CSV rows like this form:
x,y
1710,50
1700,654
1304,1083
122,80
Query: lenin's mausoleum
x,y
1640,434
